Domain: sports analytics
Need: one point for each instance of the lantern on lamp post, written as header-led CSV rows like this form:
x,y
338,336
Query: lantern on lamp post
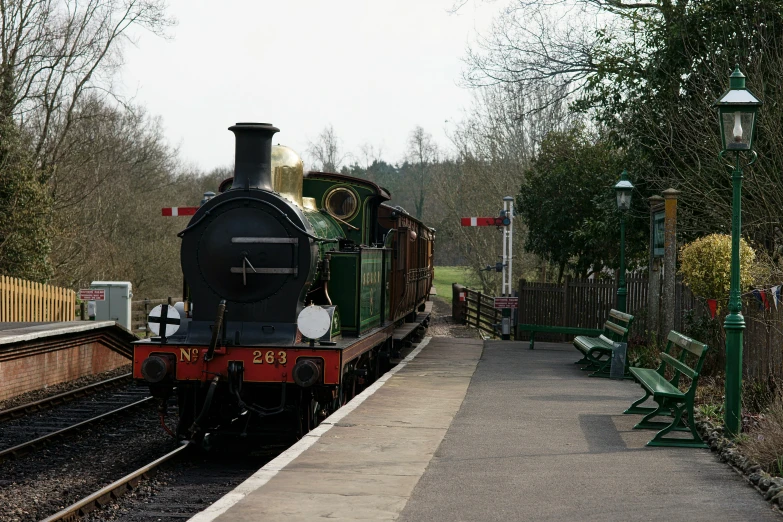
x,y
623,190
737,110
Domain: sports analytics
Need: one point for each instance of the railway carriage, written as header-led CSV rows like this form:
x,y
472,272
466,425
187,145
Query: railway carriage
x,y
274,248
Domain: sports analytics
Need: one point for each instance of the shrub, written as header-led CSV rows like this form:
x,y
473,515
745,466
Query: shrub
x,y
705,265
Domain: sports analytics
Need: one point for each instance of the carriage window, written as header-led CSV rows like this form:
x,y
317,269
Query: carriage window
x,y
341,203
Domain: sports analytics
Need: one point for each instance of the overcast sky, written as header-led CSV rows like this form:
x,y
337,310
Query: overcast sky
x,y
373,69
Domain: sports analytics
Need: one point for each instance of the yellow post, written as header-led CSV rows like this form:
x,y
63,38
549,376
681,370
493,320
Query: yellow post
x,y
48,305
27,308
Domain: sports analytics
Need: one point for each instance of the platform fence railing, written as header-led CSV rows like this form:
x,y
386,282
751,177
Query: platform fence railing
x,y
28,301
475,309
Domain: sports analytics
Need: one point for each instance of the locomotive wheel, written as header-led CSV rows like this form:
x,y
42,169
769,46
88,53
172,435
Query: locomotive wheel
x,y
376,366
349,390
315,407
186,406
308,414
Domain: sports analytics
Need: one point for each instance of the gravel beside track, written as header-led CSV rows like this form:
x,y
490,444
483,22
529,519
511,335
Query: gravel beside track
x,y
442,325
37,424
48,480
183,488
44,393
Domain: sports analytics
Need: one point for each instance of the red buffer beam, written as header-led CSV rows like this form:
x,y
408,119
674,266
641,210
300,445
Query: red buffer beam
x,y
482,222
179,211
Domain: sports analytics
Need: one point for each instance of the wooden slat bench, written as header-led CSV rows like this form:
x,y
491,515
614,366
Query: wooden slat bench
x,y
597,351
566,330
667,393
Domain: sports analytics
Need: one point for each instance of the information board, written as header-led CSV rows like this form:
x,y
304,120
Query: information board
x,y
658,233
506,302
90,294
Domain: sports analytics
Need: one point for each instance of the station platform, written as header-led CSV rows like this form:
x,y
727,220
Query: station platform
x,y
39,354
468,430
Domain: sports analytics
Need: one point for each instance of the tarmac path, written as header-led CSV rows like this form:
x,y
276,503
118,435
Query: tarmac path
x,y
536,439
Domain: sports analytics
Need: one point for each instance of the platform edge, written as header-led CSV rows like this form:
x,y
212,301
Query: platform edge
x,y
265,474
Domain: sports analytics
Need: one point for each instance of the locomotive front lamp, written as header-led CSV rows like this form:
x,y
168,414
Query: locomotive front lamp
x,y
623,189
737,110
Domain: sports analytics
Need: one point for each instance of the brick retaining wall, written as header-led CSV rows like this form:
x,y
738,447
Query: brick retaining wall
x,y
39,370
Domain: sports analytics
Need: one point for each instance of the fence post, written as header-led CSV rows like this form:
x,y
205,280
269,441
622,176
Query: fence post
x,y
478,311
146,314
520,316
566,302
669,258
458,307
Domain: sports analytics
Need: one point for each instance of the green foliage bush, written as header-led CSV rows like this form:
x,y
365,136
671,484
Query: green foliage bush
x,y
705,265
25,212
568,204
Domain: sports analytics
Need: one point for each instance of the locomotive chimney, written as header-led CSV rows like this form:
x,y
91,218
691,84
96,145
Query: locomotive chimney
x,y
253,157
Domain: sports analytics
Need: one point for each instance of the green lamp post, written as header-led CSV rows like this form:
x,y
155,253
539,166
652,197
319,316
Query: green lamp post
x,y
623,190
737,110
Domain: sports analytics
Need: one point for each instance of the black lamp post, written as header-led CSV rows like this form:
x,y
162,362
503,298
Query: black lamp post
x,y
623,189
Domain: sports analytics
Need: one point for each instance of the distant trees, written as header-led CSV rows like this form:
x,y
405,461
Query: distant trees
x,y
110,187
55,55
326,151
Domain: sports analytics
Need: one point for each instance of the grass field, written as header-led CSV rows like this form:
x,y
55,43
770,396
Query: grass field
x,y
446,275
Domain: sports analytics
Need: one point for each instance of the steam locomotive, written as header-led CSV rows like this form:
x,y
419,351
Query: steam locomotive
x,y
272,254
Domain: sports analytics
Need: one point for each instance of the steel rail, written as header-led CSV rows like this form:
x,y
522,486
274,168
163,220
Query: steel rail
x,y
30,444
113,491
24,409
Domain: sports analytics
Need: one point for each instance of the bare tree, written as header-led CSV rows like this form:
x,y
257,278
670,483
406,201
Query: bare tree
x,y
371,154
117,175
422,154
326,152
561,44
495,143
56,51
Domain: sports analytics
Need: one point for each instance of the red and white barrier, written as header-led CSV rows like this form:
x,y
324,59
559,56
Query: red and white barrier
x,y
179,211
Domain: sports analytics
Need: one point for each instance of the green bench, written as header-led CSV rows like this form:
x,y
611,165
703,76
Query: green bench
x,y
667,393
597,350
567,330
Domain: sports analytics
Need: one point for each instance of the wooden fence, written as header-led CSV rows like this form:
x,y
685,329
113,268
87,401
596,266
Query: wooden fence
x,y
763,340
476,310
26,301
141,309
586,304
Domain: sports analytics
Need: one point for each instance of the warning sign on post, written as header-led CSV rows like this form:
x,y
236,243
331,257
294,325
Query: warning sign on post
x,y
506,302
90,294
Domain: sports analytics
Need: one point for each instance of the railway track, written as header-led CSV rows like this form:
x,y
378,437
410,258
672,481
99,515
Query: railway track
x,y
186,487
61,398
20,436
113,491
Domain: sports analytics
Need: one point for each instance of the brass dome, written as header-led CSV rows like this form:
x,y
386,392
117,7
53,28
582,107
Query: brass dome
x,y
287,174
